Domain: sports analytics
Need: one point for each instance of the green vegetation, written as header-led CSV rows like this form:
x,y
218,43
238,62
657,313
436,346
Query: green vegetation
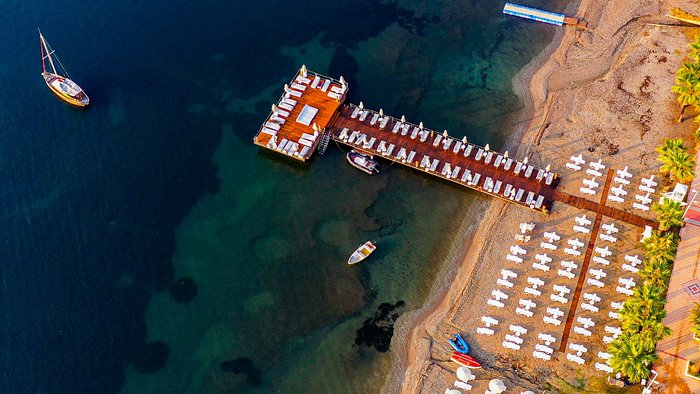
x,y
676,162
695,319
669,214
634,351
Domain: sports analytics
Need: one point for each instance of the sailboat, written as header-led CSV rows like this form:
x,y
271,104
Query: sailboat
x,y
61,85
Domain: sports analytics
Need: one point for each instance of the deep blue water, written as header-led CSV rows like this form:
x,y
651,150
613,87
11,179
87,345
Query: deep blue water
x,y
91,199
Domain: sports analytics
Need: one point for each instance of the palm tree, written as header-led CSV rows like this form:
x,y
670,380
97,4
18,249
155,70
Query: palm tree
x,y
687,86
669,214
679,164
632,356
656,272
695,320
670,144
643,310
661,245
695,49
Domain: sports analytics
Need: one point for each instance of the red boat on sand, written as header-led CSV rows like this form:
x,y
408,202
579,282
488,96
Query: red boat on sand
x,y
465,359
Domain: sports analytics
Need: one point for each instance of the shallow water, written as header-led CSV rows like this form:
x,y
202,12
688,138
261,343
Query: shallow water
x,y
158,180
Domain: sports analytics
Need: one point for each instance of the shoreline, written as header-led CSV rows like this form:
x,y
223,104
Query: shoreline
x,y
553,87
458,267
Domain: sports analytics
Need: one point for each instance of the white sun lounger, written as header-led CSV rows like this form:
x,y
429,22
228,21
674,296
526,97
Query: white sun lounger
x,y
569,265
600,260
540,266
294,93
495,303
396,127
566,274
582,331
542,356
604,367
589,307
509,162
506,192
305,142
544,348
574,358
519,194
405,129
498,161
593,172
548,246
477,176
497,186
326,84
304,151
484,331
621,181
411,156
479,153
615,198
434,165
446,143
461,385
414,133
531,291
363,115
375,117
384,122
488,158
549,179
437,140
467,150
640,206
528,172
573,167
582,230
316,81
546,338
605,252
595,282
510,345
551,320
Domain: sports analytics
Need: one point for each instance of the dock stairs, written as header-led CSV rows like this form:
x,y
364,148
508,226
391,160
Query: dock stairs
x,y
325,139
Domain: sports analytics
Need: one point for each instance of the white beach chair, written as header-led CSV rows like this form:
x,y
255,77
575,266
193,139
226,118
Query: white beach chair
x,y
582,331
573,167
540,266
541,355
504,283
589,308
595,282
582,230
544,348
551,320
546,338
531,291
593,172
484,331
495,303
604,367
566,274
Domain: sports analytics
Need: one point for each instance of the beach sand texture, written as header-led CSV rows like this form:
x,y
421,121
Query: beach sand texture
x,y
604,93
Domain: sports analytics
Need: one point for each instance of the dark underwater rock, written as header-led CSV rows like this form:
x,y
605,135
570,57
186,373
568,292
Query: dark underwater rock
x,y
243,365
183,290
152,358
377,331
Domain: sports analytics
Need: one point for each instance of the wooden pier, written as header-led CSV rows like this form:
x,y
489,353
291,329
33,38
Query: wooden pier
x,y
443,156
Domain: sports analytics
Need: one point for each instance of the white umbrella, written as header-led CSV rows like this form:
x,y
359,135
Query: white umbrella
x,y
505,154
303,70
464,374
420,125
274,108
548,168
381,112
342,80
487,147
464,140
362,105
403,119
315,127
525,161
286,88
444,133
497,386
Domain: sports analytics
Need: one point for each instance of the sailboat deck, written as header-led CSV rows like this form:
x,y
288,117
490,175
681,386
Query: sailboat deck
x,y
307,101
487,171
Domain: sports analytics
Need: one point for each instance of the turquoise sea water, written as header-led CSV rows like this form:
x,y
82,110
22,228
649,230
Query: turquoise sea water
x,y
105,209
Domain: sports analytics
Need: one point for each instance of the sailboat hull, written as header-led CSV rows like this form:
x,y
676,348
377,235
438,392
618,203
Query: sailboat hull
x,y
67,90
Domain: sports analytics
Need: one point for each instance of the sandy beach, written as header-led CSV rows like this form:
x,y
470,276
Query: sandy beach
x,y
604,93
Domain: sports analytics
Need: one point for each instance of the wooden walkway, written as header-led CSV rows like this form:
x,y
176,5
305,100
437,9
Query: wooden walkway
x,y
603,209
448,161
586,263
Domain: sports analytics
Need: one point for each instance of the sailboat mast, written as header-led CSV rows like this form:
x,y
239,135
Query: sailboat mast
x,y
45,45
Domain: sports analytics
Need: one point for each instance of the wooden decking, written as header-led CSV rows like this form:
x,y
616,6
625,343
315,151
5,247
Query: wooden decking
x,y
294,138
601,207
493,179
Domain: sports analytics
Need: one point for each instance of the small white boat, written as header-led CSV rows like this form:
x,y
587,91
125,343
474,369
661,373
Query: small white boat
x,y
362,162
362,252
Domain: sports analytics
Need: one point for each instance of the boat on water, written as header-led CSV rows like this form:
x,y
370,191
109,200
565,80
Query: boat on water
x,y
363,162
362,252
459,344
465,359
60,83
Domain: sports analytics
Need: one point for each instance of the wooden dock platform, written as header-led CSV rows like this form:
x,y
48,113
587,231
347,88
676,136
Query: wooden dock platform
x,y
443,156
309,103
